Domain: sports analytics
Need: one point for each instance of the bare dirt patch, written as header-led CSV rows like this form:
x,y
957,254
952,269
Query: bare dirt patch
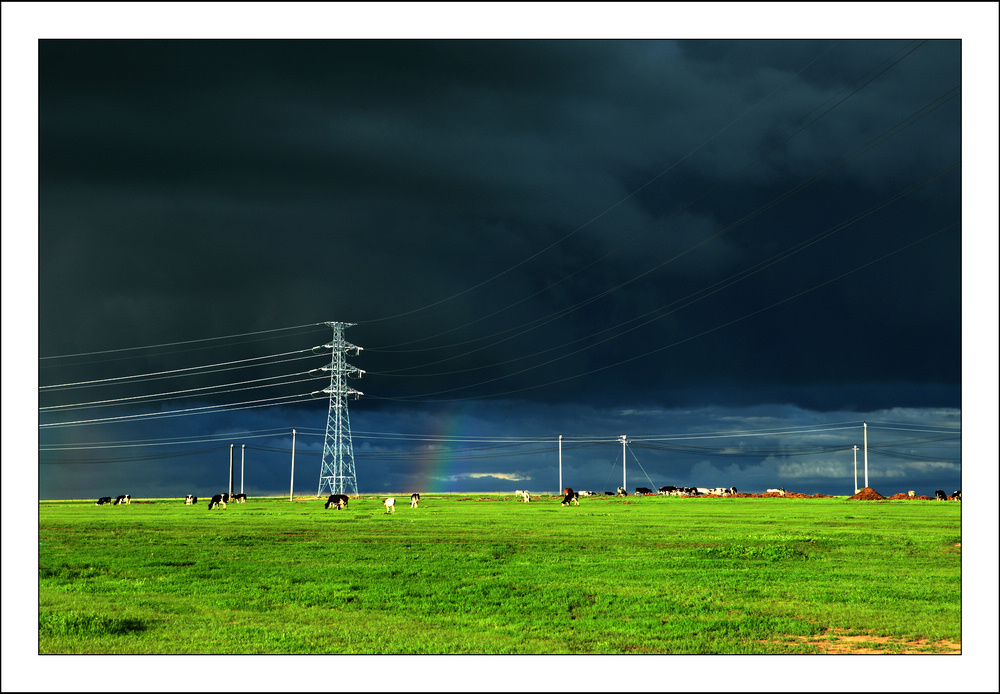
x,y
866,494
838,641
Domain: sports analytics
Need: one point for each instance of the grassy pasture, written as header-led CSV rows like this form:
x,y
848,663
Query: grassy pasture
x,y
489,575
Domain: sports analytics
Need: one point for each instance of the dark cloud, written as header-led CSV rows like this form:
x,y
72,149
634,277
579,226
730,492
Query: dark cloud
x,y
553,223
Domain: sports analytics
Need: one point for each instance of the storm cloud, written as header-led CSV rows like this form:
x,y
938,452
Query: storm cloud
x,y
534,238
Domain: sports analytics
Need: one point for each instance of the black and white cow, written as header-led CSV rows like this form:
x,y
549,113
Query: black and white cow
x,y
957,496
665,490
639,491
622,492
780,491
526,496
123,499
414,500
571,497
104,500
240,498
390,505
190,500
732,491
338,500
940,495
217,501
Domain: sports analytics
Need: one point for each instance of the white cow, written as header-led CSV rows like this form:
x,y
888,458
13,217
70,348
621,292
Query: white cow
x,y
780,491
526,496
390,505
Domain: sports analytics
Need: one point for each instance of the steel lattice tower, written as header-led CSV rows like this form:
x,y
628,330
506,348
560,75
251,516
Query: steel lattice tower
x,y
337,475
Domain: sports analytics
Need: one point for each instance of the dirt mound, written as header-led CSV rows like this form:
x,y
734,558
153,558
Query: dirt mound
x,y
867,494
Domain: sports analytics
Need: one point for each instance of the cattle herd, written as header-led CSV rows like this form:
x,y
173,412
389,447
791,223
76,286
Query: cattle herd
x,y
570,497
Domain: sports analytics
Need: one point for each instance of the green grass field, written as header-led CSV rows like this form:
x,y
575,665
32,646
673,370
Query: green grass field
x,y
486,574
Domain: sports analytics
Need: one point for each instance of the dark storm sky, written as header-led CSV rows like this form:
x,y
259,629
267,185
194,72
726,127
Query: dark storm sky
x,y
534,238
192,189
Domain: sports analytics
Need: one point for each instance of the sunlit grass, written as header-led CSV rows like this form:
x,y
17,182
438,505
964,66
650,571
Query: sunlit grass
x,y
491,575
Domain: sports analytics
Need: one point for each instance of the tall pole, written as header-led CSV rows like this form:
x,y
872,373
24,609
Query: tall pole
x,y
866,455
855,468
230,469
291,485
337,474
243,457
624,484
560,464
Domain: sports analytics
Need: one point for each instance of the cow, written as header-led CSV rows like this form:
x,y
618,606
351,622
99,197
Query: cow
x,y
190,500
665,490
571,497
390,505
622,492
957,496
526,496
240,498
123,499
104,500
940,495
911,493
414,500
732,491
583,493
639,491
779,491
338,500
217,501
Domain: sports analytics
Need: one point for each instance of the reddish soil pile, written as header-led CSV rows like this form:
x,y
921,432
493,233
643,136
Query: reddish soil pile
x,y
867,494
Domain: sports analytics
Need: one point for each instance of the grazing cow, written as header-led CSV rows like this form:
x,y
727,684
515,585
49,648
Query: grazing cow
x,y
639,491
666,490
911,493
780,491
104,500
622,492
571,498
190,500
390,505
526,496
123,499
338,500
732,491
240,498
414,500
940,495
957,496
217,501
588,493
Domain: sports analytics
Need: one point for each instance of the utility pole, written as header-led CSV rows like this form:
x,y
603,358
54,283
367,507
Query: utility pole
x,y
291,485
243,457
560,464
866,454
624,484
337,472
230,470
855,468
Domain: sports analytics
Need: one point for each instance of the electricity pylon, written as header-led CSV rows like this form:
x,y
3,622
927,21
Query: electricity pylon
x,y
337,475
